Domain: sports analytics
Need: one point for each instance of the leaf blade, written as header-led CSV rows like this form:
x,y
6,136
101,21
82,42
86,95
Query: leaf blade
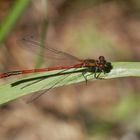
x,y
120,69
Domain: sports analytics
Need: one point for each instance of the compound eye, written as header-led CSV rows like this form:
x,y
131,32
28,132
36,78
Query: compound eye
x,y
101,58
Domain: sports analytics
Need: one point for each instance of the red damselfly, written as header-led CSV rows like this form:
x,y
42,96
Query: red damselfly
x,y
98,66
92,66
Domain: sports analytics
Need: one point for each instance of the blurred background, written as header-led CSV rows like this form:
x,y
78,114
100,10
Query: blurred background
x,y
101,110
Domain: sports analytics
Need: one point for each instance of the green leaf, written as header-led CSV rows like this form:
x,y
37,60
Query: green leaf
x,y
120,69
12,18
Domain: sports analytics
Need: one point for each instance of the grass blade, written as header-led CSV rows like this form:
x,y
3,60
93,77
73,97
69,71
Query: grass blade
x,y
120,69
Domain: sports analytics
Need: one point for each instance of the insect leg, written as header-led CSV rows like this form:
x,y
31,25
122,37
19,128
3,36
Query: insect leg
x,y
85,77
96,76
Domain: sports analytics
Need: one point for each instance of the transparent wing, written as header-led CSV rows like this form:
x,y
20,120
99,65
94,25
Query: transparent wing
x,y
38,94
41,79
59,58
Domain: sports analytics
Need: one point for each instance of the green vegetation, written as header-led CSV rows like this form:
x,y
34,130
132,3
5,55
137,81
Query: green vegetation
x,y
10,21
120,69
